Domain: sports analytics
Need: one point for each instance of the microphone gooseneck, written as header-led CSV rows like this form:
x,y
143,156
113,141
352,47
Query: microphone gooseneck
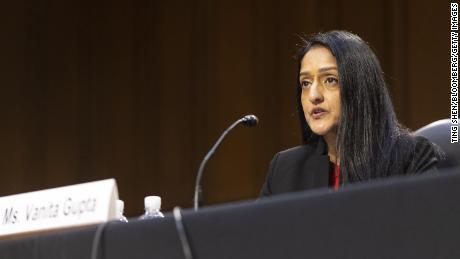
x,y
249,121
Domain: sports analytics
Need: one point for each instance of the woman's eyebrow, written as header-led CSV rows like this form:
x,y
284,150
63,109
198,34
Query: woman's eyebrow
x,y
321,70
324,69
304,73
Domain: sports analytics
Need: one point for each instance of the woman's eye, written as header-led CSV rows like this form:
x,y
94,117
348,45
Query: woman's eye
x,y
331,80
304,84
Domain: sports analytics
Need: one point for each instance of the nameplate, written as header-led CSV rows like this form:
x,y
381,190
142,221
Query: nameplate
x,y
63,207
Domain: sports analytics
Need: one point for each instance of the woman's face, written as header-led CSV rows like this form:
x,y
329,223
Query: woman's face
x,y
320,97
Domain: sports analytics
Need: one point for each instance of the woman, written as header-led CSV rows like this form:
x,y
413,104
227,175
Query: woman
x,y
349,128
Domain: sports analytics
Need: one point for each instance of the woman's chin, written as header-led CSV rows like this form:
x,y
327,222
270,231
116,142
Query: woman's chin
x,y
322,126
321,131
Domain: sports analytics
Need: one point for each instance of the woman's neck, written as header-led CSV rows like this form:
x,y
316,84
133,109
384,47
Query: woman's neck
x,y
331,139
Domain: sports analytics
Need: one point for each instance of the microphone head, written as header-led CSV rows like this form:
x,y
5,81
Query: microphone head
x,y
250,120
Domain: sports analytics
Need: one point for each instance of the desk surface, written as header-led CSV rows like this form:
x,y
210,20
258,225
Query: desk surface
x,y
414,217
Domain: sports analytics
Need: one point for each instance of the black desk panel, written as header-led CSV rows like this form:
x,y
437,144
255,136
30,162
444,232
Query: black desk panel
x,y
410,217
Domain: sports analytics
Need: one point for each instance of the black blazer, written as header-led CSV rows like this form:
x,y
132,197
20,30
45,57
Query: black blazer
x,y
307,166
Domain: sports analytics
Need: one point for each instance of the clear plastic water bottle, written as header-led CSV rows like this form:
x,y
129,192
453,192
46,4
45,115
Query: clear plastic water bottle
x,y
120,208
152,207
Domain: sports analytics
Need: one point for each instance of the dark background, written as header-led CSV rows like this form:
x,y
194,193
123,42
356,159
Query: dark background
x,y
140,90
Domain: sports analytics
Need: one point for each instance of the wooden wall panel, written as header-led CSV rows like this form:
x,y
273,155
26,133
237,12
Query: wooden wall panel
x,y
140,90
428,66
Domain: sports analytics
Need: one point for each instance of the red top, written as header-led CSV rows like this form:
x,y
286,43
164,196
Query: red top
x,y
334,177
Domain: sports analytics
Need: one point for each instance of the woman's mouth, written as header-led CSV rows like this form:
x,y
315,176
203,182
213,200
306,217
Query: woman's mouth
x,y
317,113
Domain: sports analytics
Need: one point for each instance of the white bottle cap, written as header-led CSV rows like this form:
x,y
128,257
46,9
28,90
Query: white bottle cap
x,y
152,202
120,207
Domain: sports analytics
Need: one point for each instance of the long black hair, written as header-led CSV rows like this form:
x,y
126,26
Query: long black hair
x,y
368,132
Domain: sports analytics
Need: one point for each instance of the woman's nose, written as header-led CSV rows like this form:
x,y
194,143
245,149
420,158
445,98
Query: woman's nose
x,y
315,96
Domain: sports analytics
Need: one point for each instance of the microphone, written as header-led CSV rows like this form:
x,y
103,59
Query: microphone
x,y
248,121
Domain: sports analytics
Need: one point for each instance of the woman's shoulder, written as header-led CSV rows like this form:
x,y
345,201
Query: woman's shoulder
x,y
295,151
288,171
422,155
294,157
419,146
302,151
